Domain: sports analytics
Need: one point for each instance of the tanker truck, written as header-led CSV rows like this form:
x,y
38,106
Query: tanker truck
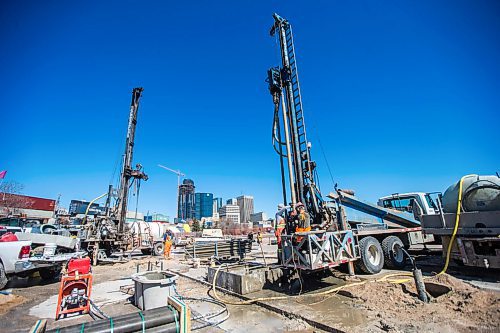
x,y
477,236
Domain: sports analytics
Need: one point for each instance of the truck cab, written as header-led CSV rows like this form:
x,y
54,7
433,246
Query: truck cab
x,y
417,203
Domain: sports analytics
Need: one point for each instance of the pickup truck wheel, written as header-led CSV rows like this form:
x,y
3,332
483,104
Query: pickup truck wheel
x,y
393,253
159,248
50,273
3,277
372,256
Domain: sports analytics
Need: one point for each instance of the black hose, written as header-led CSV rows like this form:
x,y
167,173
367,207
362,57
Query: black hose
x,y
127,323
167,328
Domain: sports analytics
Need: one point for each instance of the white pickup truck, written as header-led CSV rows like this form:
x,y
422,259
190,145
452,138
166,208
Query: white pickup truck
x,y
15,261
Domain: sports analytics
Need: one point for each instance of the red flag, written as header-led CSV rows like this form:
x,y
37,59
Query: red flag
x,y
2,174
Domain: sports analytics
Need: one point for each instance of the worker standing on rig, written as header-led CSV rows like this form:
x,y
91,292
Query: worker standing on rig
x,y
280,224
301,219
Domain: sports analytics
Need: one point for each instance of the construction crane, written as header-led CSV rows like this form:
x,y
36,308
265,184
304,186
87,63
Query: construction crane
x,y
179,175
345,229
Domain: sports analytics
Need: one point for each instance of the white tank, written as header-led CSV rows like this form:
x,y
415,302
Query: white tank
x,y
154,229
479,193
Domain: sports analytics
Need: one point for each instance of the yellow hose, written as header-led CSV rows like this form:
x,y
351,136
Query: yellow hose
x,y
384,278
457,221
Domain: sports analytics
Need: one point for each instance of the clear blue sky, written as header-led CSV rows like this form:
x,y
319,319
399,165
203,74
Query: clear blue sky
x,y
404,95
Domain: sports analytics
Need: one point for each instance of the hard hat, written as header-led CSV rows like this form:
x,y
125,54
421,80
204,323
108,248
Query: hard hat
x,y
299,204
281,206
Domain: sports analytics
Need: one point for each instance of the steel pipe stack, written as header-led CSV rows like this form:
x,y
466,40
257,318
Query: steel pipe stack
x,y
164,319
219,249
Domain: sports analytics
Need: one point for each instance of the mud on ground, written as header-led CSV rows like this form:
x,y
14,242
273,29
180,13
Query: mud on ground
x,y
463,309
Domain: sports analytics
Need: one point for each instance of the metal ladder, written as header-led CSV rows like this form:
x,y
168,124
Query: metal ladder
x,y
297,98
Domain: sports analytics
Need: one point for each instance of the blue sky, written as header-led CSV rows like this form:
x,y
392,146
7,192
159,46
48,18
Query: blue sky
x,y
404,95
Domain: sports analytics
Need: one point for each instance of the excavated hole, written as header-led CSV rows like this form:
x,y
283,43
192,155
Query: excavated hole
x,y
436,289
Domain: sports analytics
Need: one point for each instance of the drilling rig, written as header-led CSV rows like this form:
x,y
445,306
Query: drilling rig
x,y
344,229
105,235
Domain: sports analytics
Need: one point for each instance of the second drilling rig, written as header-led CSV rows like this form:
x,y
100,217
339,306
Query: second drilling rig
x,y
105,235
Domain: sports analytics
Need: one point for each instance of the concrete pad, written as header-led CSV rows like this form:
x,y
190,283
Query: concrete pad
x,y
102,294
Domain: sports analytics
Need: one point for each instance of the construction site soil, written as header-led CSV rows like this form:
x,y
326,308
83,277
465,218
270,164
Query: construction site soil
x,y
463,308
371,307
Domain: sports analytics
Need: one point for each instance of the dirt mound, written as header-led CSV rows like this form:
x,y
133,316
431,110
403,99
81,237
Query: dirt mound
x,y
463,309
10,301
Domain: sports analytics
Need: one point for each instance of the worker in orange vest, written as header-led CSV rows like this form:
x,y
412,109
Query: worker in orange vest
x,y
167,238
302,218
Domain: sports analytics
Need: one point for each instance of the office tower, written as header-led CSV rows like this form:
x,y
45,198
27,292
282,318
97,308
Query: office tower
x,y
186,200
245,202
217,205
203,206
230,214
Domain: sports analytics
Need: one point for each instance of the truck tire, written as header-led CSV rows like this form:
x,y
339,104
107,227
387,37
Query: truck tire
x,y
394,256
158,249
372,256
3,277
50,273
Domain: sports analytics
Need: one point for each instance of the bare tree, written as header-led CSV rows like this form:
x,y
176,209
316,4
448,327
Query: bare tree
x,y
11,200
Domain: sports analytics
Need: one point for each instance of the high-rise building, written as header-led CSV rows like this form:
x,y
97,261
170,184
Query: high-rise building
x,y
231,202
245,202
259,217
203,206
216,206
186,200
230,214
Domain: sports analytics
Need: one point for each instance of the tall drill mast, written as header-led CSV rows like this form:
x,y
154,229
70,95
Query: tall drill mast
x,y
285,88
127,172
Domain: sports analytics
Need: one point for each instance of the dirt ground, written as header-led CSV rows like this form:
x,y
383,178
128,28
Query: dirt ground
x,y
10,301
463,309
372,307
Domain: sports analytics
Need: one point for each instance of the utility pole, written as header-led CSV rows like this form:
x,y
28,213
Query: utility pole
x,y
179,175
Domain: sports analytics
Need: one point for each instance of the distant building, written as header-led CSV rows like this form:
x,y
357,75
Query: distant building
x,y
80,207
203,207
217,205
258,218
132,216
245,202
231,202
186,200
157,218
230,214
23,206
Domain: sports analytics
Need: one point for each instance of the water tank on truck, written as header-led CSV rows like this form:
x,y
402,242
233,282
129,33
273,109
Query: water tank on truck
x,y
479,193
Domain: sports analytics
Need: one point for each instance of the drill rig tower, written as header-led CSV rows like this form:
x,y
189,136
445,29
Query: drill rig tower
x,y
285,88
128,173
